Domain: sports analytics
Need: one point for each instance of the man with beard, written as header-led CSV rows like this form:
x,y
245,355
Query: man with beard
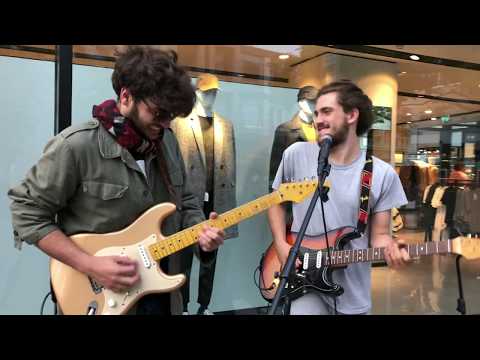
x,y
343,112
98,177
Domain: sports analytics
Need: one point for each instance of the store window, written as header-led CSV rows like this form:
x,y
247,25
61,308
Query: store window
x,y
426,127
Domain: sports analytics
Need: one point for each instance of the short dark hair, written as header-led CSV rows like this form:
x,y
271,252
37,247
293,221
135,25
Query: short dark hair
x,y
459,166
350,96
153,74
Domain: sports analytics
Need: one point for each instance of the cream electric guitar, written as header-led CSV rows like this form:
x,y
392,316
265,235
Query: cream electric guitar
x,y
142,241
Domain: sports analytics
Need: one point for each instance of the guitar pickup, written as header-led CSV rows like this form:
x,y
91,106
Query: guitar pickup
x,y
96,287
319,260
143,254
305,261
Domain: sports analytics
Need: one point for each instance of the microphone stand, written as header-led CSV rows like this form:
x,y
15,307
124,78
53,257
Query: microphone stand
x,y
288,272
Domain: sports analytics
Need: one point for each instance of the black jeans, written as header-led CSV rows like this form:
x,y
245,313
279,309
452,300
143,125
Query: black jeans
x,y
205,279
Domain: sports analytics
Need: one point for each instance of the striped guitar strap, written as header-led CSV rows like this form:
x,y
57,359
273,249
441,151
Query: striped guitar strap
x,y
366,184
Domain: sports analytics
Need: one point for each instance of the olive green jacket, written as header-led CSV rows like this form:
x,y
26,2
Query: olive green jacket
x,y
85,182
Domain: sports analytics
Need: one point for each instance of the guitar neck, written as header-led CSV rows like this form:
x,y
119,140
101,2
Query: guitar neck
x,y
345,257
190,236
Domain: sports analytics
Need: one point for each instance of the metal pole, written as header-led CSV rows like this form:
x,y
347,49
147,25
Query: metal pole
x,y
63,87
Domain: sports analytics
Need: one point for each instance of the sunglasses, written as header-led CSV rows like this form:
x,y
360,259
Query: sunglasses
x,y
160,114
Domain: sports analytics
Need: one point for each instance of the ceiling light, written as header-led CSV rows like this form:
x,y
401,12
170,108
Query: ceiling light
x,y
283,56
414,57
421,96
408,114
434,118
402,73
428,111
409,122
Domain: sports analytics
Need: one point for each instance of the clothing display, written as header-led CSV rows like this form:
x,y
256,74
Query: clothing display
x,y
421,176
192,146
299,128
409,181
429,212
450,211
467,210
207,144
285,135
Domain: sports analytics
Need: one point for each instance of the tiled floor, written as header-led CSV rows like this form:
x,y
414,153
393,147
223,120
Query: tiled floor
x,y
427,286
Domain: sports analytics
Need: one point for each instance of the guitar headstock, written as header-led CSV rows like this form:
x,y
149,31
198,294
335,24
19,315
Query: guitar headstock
x,y
469,248
297,191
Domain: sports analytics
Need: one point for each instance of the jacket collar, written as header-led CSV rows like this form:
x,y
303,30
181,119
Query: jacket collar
x,y
108,147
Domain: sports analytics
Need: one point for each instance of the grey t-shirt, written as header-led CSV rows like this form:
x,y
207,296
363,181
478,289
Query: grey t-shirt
x,y
299,162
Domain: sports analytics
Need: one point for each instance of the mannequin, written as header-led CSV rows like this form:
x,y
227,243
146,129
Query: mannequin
x,y
307,107
299,128
205,101
206,141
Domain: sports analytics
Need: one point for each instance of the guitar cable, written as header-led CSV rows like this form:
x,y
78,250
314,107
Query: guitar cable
x,y
328,250
43,303
259,270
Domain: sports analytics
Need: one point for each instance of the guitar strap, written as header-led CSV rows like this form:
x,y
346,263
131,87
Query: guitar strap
x,y
366,184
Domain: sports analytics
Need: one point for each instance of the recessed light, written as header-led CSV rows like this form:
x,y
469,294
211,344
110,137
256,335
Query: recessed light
x,y
428,111
409,122
408,114
402,73
434,118
414,57
283,56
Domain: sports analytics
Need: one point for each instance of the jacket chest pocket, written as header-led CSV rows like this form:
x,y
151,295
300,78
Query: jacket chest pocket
x,y
104,191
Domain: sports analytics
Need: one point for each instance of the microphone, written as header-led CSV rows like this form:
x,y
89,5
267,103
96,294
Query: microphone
x,y
325,146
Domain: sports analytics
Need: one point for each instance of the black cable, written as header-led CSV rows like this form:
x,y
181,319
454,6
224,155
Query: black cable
x,y
257,284
43,303
328,250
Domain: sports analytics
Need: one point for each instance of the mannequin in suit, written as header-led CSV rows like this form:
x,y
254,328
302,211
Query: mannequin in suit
x,y
299,128
207,144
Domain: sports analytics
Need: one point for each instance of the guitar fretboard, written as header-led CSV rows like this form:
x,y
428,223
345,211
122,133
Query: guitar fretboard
x,y
345,257
189,236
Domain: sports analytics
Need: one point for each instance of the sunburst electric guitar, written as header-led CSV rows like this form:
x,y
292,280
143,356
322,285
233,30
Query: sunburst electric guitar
x,y
143,241
317,266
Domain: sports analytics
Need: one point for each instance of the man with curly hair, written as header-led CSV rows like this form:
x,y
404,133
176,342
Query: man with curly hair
x,y
98,177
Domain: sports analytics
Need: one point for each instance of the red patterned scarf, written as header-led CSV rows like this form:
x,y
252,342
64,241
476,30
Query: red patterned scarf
x,y
122,128
128,136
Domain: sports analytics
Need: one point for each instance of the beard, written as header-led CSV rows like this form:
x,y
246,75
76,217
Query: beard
x,y
134,119
340,136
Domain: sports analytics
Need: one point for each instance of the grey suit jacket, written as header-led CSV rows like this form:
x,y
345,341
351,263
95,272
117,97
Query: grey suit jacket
x,y
190,139
286,134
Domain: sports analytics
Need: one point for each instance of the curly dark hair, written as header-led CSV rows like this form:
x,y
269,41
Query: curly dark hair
x,y
153,74
350,97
